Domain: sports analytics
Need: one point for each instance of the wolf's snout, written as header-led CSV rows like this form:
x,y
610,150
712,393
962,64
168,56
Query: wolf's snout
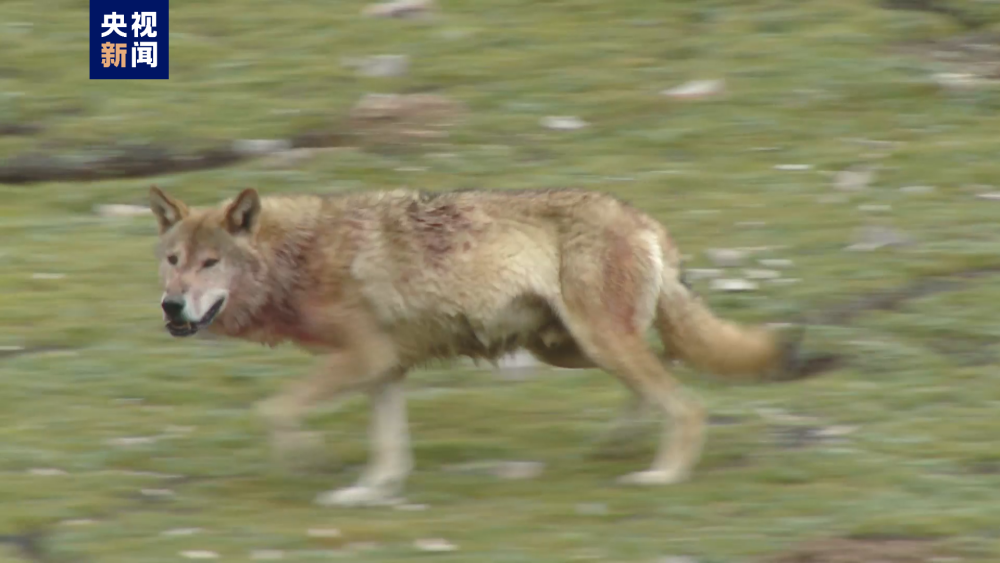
x,y
172,307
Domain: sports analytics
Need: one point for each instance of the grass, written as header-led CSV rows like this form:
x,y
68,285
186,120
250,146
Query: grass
x,y
805,80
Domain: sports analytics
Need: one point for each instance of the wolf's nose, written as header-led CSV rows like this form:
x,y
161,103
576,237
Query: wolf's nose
x,y
172,307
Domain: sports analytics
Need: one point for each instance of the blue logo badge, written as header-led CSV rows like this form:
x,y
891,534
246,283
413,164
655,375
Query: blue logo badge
x,y
129,39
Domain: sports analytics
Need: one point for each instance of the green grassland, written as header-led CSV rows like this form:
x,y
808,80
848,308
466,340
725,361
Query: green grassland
x,y
807,82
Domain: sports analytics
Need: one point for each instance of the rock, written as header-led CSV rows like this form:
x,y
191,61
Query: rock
x,y
917,189
871,208
267,554
836,431
47,276
411,507
992,196
793,167
696,89
392,118
176,532
158,493
121,210
132,441
874,237
563,123
46,471
199,554
323,533
756,274
726,257
79,522
381,66
696,274
733,285
592,509
399,9
775,262
260,147
853,179
512,470
435,545
959,81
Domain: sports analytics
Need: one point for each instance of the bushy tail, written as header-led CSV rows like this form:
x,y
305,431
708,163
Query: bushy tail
x,y
693,334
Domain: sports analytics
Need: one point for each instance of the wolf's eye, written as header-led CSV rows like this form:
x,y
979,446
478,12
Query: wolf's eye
x,y
172,259
209,263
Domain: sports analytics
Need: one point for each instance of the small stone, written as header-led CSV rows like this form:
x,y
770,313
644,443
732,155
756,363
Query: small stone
x,y
46,471
267,554
874,237
157,493
323,533
435,545
958,80
993,196
733,285
399,9
696,274
382,66
793,167
592,509
47,276
775,262
726,257
563,123
180,532
79,522
260,147
696,89
853,179
411,507
199,554
121,210
132,441
835,431
917,189
756,274
514,470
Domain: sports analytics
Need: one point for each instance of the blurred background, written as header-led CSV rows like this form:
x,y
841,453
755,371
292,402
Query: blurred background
x,y
825,159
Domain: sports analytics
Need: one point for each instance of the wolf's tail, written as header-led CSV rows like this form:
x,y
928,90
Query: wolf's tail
x,y
692,333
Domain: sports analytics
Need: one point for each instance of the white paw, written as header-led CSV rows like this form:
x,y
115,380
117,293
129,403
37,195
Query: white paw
x,y
653,477
358,495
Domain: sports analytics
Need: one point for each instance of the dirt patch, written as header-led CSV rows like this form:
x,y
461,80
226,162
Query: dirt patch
x,y
846,550
892,299
962,16
376,120
977,54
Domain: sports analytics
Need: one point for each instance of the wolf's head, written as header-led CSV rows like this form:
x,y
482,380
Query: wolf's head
x,y
207,257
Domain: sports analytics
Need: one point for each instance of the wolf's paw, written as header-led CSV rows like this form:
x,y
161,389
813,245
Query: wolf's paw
x,y
654,477
358,495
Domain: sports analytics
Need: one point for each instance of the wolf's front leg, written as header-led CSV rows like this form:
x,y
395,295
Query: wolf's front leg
x,y
368,363
391,456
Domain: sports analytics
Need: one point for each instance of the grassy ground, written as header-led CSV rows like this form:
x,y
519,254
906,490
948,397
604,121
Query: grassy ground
x,y
805,82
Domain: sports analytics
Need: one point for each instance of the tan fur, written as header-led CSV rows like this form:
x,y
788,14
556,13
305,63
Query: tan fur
x,y
378,283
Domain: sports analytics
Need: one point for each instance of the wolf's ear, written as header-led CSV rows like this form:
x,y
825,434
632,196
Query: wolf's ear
x,y
243,213
168,211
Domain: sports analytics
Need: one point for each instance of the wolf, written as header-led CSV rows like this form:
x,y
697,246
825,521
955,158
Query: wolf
x,y
378,283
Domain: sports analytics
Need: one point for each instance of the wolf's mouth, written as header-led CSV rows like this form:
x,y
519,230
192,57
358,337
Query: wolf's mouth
x,y
183,328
